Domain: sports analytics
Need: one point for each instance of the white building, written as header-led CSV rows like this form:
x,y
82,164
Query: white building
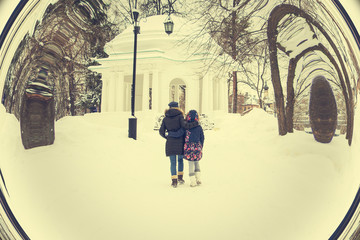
x,y
166,71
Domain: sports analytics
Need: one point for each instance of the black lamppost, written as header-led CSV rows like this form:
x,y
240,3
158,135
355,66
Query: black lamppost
x,y
133,119
169,26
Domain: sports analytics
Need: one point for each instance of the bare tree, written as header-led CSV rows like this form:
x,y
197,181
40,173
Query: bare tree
x,y
228,24
121,11
254,73
160,7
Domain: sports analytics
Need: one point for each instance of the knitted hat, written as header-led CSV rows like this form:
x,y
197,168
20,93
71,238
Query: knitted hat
x,y
173,104
192,116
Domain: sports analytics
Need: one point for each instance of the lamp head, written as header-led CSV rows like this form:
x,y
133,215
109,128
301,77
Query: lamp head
x,y
135,14
169,25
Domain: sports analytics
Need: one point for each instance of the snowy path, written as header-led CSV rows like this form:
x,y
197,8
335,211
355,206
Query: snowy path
x,y
95,183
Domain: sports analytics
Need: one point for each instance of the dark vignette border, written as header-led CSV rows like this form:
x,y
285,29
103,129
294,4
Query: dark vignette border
x,y
11,20
3,201
350,214
22,233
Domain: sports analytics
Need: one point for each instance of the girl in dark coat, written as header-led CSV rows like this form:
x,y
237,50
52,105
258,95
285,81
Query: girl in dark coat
x,y
174,147
194,142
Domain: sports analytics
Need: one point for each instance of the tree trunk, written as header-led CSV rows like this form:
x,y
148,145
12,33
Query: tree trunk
x,y
290,98
234,54
71,89
275,74
234,92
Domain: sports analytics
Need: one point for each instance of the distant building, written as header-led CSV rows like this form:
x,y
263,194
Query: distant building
x,y
245,103
166,71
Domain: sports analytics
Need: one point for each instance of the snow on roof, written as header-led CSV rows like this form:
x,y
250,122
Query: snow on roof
x,y
252,101
152,35
153,42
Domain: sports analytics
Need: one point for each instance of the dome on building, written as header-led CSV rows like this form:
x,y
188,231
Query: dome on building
x,y
152,36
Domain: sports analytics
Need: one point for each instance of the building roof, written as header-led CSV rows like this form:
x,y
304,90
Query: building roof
x,y
154,44
252,101
152,36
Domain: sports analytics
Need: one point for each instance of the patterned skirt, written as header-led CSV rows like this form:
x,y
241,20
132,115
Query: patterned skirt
x,y
192,151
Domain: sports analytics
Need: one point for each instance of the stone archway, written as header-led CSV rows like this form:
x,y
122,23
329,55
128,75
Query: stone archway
x,y
177,92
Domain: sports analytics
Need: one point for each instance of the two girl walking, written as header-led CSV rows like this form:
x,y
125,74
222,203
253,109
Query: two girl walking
x,y
184,139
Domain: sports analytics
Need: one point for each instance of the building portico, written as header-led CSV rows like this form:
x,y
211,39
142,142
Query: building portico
x,y
166,71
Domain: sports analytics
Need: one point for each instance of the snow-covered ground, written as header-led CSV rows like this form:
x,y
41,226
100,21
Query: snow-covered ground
x,y
96,183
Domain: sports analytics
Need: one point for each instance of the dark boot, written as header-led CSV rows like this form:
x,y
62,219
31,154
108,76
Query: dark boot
x,y
174,182
180,179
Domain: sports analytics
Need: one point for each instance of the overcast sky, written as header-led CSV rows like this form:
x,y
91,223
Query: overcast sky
x,y
351,6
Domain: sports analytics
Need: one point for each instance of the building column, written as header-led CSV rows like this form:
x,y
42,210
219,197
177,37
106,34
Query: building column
x,y
193,89
224,99
146,97
164,91
217,91
127,101
119,92
211,92
112,93
220,96
105,92
205,94
155,91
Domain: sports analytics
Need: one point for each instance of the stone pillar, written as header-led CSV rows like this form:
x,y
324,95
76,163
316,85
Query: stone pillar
x,y
207,100
164,91
119,92
211,92
193,94
127,97
215,91
105,92
223,96
155,91
146,97
112,93
205,95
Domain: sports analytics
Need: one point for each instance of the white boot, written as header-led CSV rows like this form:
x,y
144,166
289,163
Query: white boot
x,y
198,178
192,181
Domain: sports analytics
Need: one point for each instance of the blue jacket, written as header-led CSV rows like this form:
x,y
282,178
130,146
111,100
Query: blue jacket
x,y
196,134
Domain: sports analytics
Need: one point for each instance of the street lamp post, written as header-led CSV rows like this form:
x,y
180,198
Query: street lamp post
x,y
169,26
133,119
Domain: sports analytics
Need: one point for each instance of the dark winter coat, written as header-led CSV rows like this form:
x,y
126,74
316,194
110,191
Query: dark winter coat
x,y
173,121
194,139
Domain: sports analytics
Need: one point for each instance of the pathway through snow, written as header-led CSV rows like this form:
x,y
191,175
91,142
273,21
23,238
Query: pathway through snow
x,y
95,183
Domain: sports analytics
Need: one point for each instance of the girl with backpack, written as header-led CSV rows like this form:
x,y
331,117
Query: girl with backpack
x,y
194,143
